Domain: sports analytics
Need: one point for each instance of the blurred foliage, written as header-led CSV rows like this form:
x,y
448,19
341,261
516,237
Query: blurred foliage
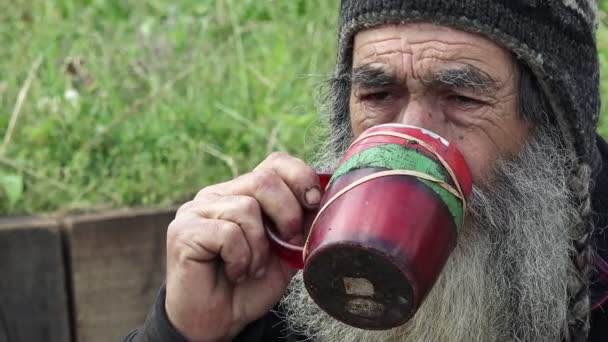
x,y
139,103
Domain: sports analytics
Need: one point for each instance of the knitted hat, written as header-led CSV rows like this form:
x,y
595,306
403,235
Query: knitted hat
x,y
556,40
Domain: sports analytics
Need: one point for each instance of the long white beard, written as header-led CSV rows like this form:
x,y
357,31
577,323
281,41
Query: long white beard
x,y
506,279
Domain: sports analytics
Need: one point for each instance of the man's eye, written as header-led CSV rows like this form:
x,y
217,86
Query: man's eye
x,y
376,96
463,100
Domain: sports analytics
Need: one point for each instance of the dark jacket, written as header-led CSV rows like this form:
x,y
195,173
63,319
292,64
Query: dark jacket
x,y
270,328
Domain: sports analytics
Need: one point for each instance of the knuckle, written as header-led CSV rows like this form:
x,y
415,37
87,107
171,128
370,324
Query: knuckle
x,y
258,233
183,207
208,191
232,232
177,236
248,205
236,242
278,156
173,231
311,174
258,242
264,179
202,192
307,176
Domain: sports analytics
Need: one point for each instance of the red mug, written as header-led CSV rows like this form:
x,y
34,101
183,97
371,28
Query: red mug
x,y
388,221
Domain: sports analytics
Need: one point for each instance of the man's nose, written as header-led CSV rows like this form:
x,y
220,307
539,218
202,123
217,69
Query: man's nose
x,y
421,114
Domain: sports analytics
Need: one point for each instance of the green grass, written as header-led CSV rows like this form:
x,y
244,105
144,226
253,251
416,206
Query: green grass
x,y
171,95
140,103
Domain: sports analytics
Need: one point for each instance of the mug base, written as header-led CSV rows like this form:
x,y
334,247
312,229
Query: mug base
x,y
360,286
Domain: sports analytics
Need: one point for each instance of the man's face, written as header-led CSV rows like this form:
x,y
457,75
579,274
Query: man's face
x,y
507,277
460,85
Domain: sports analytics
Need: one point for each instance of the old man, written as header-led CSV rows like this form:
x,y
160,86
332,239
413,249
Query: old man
x,y
514,84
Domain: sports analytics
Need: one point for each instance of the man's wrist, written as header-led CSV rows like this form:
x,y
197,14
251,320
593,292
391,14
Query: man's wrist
x,y
158,327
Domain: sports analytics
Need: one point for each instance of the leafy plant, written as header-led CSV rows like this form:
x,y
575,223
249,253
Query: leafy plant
x,y
142,103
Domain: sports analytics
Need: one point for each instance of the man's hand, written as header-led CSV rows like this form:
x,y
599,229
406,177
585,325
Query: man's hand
x,y
220,273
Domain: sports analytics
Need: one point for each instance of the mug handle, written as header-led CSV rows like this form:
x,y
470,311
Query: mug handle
x,y
290,253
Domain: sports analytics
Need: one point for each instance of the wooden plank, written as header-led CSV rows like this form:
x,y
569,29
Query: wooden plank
x,y
33,296
117,260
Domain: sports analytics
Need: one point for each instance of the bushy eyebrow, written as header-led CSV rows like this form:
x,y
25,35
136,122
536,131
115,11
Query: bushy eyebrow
x,y
468,77
370,77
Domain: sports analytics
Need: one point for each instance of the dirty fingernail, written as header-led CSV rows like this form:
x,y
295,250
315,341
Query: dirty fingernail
x,y
313,196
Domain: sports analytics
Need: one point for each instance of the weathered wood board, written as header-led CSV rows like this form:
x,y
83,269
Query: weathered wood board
x,y
117,264
33,297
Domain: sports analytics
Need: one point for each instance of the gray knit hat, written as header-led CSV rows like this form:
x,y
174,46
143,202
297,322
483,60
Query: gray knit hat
x,y
556,40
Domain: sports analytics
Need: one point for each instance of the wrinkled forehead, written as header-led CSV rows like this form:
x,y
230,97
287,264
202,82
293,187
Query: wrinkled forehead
x,y
423,45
